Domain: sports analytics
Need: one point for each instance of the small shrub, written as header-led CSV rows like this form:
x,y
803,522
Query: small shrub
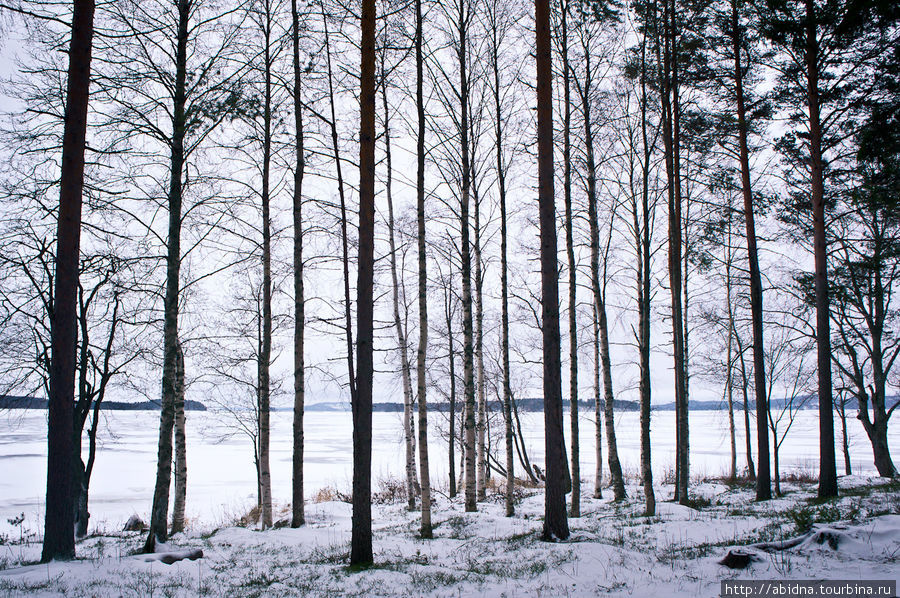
x,y
698,502
803,519
330,493
800,476
828,514
390,491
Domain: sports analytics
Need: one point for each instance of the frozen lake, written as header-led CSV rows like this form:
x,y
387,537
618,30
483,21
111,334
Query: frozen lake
x,y
222,480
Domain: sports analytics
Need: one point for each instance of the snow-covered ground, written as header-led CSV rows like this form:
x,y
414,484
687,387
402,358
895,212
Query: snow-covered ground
x,y
222,481
613,549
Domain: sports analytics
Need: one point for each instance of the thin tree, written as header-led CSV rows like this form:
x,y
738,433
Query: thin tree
x,y
412,482
497,28
297,501
424,476
265,353
575,508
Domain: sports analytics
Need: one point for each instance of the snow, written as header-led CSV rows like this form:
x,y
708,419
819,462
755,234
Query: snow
x,y
613,549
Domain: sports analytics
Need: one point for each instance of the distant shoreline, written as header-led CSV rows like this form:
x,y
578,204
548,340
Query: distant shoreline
x,y
529,405
8,402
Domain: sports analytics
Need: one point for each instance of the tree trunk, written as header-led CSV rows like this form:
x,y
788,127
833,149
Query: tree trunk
x,y
361,533
575,509
298,516
729,362
556,525
451,355
424,474
644,300
468,349
827,469
265,355
671,126
876,430
845,441
763,484
412,482
483,471
504,281
345,242
598,441
751,469
159,512
59,524
178,504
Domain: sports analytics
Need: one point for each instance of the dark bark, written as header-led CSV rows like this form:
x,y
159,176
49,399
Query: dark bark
x,y
90,399
671,118
59,524
265,354
827,469
763,482
361,533
468,341
751,469
298,516
556,525
643,283
424,475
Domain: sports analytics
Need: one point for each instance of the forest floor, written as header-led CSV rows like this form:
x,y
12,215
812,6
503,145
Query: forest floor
x,y
613,549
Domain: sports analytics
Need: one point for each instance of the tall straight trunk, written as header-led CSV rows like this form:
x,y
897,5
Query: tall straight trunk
x,y
412,481
598,445
265,354
451,355
751,470
59,519
179,503
729,361
671,127
598,286
481,427
827,469
556,525
763,481
575,508
643,284
361,532
468,344
421,352
345,242
159,510
298,516
504,280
